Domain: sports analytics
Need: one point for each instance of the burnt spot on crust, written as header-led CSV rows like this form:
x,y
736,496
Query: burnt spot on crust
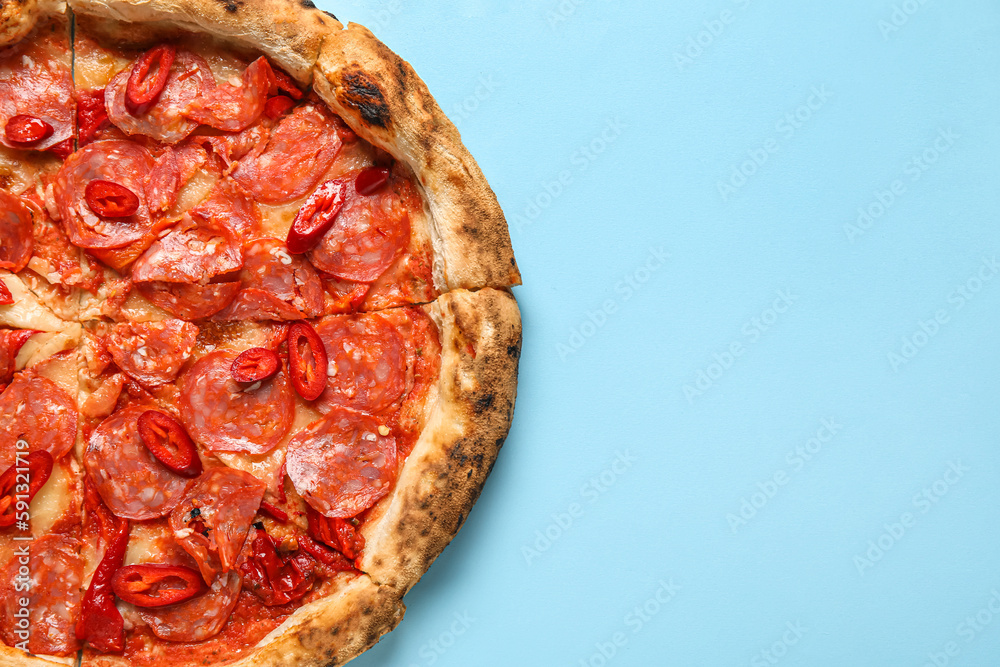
x,y
513,351
360,92
483,403
231,6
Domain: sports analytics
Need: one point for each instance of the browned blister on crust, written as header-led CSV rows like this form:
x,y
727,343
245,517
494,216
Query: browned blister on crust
x,y
383,99
467,422
18,17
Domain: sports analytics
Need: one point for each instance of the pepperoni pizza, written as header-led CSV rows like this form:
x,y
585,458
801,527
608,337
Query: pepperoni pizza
x,y
258,351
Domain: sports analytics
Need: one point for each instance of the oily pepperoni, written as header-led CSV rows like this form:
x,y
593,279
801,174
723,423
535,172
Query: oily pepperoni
x,y
132,482
276,286
212,521
366,238
190,302
152,353
53,599
230,148
341,465
35,80
189,77
121,162
194,252
233,108
54,254
225,416
173,169
199,618
367,362
229,203
37,409
16,241
298,153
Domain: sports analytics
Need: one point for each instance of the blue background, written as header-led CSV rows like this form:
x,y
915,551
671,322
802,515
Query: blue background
x,y
614,132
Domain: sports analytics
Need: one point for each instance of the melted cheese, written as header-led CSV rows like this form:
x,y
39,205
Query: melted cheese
x,y
146,542
54,499
27,312
43,346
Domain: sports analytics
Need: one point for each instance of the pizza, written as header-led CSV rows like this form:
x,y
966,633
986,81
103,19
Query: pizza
x,y
258,347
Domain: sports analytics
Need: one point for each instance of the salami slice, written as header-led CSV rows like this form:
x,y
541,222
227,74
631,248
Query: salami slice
x,y
51,591
225,416
367,237
190,302
173,169
230,148
212,520
121,162
298,153
233,108
228,203
38,410
16,241
194,252
367,362
152,353
341,464
54,254
35,80
132,482
11,342
189,78
276,286
199,618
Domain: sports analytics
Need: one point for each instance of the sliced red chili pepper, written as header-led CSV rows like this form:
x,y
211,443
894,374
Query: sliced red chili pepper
x,y
275,579
25,131
370,180
340,534
110,200
6,298
316,216
157,585
144,87
100,623
286,83
21,482
332,559
91,114
167,440
307,361
98,513
278,106
276,512
255,364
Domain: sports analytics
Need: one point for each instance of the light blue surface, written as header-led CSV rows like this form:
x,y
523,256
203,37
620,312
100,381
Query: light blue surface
x,y
663,135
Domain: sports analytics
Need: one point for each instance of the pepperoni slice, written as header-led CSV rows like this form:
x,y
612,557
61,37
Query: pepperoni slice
x,y
121,162
229,203
51,590
164,121
16,241
341,464
225,416
276,286
173,169
54,253
233,108
367,237
197,619
193,252
152,353
295,158
367,362
35,81
212,521
133,484
230,148
190,302
37,409
11,342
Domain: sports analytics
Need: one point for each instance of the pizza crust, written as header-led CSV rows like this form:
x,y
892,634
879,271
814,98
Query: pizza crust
x,y
466,426
12,657
18,17
388,105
